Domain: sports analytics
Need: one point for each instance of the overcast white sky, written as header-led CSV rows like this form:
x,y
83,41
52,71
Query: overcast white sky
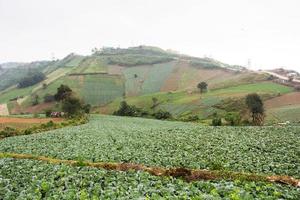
x,y
233,31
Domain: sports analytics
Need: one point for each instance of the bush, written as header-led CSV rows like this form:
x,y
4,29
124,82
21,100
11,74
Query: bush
x,y
189,118
49,98
48,112
216,121
8,131
127,110
36,115
233,118
162,115
87,108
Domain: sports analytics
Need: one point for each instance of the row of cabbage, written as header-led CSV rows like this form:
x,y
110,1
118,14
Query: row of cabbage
x,y
265,150
29,179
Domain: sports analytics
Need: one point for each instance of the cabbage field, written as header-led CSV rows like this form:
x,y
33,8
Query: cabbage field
x,y
258,150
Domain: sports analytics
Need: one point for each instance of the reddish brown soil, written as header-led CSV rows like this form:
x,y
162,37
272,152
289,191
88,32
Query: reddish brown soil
x,y
4,120
284,100
39,108
16,108
171,84
115,69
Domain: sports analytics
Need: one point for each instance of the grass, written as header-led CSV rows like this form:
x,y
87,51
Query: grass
x,y
15,92
264,87
201,104
91,64
286,113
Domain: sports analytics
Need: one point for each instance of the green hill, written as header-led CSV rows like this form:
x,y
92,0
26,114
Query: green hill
x,y
137,74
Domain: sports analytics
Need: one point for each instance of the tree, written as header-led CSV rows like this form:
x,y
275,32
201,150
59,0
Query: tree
x,y
256,107
202,86
72,106
63,92
49,98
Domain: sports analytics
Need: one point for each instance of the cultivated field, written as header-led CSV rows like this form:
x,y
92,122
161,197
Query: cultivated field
x,y
257,150
21,123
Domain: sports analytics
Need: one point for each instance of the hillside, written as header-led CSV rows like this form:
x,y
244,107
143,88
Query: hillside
x,y
137,74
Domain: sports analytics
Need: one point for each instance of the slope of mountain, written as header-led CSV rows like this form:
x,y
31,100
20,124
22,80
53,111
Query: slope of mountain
x,y
138,74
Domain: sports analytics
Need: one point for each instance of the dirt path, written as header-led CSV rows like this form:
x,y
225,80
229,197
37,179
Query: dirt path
x,y
184,173
4,109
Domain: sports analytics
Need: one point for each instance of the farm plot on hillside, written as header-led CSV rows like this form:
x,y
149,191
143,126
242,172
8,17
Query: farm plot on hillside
x,y
51,89
134,79
264,87
15,93
102,89
156,77
285,113
91,64
22,123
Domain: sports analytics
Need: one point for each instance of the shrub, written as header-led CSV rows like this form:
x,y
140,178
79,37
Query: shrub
x,y
216,121
233,118
190,118
127,110
49,98
48,112
161,114
87,108
8,131
36,115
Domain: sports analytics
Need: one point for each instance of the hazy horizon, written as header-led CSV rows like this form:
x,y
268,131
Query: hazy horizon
x,y
234,32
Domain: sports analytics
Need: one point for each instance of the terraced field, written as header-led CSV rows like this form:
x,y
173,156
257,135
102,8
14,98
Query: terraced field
x,y
262,150
101,89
